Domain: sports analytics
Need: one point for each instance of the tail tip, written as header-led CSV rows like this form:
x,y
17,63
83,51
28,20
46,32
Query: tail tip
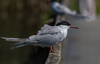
x,y
3,37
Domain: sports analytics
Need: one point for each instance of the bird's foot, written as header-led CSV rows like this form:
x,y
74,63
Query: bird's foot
x,y
52,50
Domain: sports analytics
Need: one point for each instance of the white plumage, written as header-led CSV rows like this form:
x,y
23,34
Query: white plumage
x,y
46,37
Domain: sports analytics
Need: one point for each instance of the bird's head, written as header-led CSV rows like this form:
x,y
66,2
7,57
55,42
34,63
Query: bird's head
x,y
65,23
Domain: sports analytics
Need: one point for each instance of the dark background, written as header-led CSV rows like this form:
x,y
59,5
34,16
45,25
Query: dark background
x,y
22,18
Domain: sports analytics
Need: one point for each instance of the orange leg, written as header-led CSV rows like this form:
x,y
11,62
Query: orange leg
x,y
54,50
50,49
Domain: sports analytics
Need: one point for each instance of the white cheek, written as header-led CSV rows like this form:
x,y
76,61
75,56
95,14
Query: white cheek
x,y
64,32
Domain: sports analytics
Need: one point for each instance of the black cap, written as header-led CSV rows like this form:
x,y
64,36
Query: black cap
x,y
63,23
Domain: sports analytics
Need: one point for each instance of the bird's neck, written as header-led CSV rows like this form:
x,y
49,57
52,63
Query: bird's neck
x,y
64,27
64,31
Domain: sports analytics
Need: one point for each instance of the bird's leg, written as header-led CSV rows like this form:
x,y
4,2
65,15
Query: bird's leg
x,y
53,50
50,49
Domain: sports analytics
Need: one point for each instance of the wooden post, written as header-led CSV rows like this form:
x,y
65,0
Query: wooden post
x,y
56,58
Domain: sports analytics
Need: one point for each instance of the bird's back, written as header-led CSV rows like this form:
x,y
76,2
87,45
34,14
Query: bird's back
x,y
56,8
50,35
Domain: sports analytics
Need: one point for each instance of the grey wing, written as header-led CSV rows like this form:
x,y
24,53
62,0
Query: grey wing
x,y
67,10
48,35
49,30
44,28
50,39
58,8
46,40
51,36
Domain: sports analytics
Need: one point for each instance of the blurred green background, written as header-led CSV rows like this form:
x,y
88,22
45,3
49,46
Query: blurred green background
x,y
22,18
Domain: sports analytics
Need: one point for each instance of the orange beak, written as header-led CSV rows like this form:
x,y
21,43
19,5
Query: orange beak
x,y
74,27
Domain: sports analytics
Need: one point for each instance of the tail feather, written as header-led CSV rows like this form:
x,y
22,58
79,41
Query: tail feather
x,y
19,40
14,39
17,46
17,43
27,43
23,42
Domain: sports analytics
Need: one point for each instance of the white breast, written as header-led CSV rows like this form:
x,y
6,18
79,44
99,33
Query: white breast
x,y
64,33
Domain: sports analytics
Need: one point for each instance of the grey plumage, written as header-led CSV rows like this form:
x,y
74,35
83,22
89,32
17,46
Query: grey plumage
x,y
46,37
60,9
14,39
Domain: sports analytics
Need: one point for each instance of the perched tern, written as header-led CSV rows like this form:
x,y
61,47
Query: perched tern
x,y
63,10
60,9
46,37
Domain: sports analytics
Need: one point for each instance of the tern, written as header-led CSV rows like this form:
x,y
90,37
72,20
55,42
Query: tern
x,y
48,36
63,10
60,9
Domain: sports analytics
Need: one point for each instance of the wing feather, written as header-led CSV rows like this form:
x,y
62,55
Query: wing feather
x,y
51,30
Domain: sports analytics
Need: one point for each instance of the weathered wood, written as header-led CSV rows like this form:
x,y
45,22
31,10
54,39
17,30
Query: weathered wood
x,y
53,57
